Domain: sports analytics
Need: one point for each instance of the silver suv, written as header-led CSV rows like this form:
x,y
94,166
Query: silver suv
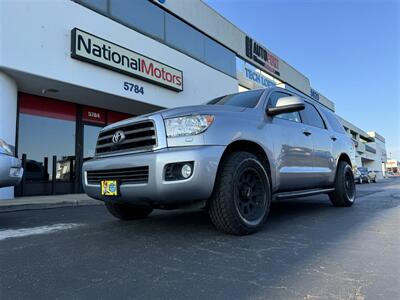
x,y
232,156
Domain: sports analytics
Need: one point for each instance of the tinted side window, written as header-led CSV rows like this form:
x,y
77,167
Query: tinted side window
x,y
311,116
333,121
293,116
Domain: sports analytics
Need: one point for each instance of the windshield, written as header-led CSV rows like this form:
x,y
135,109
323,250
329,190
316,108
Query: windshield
x,y
245,99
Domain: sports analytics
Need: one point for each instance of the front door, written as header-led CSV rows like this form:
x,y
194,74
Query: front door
x,y
293,149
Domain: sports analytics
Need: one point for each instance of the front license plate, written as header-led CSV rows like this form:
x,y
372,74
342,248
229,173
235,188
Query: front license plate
x,y
109,188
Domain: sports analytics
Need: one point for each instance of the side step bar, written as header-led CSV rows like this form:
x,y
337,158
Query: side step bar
x,y
304,193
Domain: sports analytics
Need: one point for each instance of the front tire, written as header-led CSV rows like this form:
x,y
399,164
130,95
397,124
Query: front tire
x,y
344,194
128,212
241,199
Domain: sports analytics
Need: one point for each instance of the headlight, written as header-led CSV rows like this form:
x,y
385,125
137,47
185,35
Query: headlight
x,y
189,125
6,148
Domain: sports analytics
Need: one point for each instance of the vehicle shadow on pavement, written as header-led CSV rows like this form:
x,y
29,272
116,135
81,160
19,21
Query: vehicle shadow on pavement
x,y
183,250
307,247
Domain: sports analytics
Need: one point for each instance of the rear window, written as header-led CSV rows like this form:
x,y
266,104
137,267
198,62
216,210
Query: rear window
x,y
311,116
245,99
333,121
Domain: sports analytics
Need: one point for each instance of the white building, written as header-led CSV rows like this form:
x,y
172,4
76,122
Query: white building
x,y
68,68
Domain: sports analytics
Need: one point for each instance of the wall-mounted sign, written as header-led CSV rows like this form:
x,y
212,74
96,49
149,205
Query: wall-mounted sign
x,y
92,49
314,94
262,56
93,114
258,78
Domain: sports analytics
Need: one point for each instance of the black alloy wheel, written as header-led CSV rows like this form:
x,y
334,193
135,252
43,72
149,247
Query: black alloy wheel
x,y
349,185
250,196
242,194
345,188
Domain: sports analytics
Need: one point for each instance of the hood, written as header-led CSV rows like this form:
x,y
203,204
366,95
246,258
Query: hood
x,y
180,111
197,109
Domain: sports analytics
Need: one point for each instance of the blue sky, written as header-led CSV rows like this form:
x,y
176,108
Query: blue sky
x,y
348,49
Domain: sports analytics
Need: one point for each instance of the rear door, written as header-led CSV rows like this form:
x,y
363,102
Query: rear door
x,y
292,149
322,139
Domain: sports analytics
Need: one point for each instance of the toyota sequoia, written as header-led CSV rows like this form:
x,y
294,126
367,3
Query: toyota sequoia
x,y
231,156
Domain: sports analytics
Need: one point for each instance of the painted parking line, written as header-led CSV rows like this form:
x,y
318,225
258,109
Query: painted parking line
x,y
22,232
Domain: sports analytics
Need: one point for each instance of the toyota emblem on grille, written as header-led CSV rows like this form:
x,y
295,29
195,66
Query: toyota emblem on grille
x,y
118,137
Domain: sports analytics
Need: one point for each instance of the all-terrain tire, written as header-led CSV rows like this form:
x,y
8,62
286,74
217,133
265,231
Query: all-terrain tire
x,y
227,206
344,194
127,212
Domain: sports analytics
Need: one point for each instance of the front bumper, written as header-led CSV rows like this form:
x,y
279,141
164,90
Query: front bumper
x,y
11,170
157,191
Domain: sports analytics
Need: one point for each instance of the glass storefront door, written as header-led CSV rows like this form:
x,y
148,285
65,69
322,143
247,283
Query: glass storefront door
x,y
46,144
54,139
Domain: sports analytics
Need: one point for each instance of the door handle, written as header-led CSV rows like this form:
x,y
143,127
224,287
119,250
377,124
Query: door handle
x,y
306,132
333,138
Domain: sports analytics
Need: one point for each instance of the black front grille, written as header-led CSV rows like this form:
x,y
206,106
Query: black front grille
x,y
138,136
125,175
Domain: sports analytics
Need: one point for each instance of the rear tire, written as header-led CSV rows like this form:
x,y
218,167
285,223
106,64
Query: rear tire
x,y
128,212
241,199
345,188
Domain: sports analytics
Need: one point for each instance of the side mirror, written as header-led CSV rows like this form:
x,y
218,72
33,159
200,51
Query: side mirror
x,y
286,105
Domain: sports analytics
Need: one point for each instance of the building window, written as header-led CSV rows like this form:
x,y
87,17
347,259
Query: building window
x,y
151,20
99,5
141,15
183,37
220,57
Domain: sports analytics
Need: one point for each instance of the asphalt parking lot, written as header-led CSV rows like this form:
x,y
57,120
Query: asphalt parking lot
x,y
307,250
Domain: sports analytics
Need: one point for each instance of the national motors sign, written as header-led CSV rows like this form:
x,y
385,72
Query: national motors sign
x,y
262,56
93,49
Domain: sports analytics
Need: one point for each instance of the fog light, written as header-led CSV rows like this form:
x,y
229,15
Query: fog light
x,y
178,171
186,171
16,172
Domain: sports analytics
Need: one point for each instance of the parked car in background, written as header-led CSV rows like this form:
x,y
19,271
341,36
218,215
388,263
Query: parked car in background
x,y
372,176
11,170
232,157
357,175
363,177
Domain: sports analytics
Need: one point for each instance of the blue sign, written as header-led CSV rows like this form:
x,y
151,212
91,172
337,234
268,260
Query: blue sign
x,y
258,78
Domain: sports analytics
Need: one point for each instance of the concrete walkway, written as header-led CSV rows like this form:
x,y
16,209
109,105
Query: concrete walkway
x,y
44,202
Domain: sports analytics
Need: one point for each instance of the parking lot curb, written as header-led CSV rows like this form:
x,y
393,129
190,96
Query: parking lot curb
x,y
11,207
